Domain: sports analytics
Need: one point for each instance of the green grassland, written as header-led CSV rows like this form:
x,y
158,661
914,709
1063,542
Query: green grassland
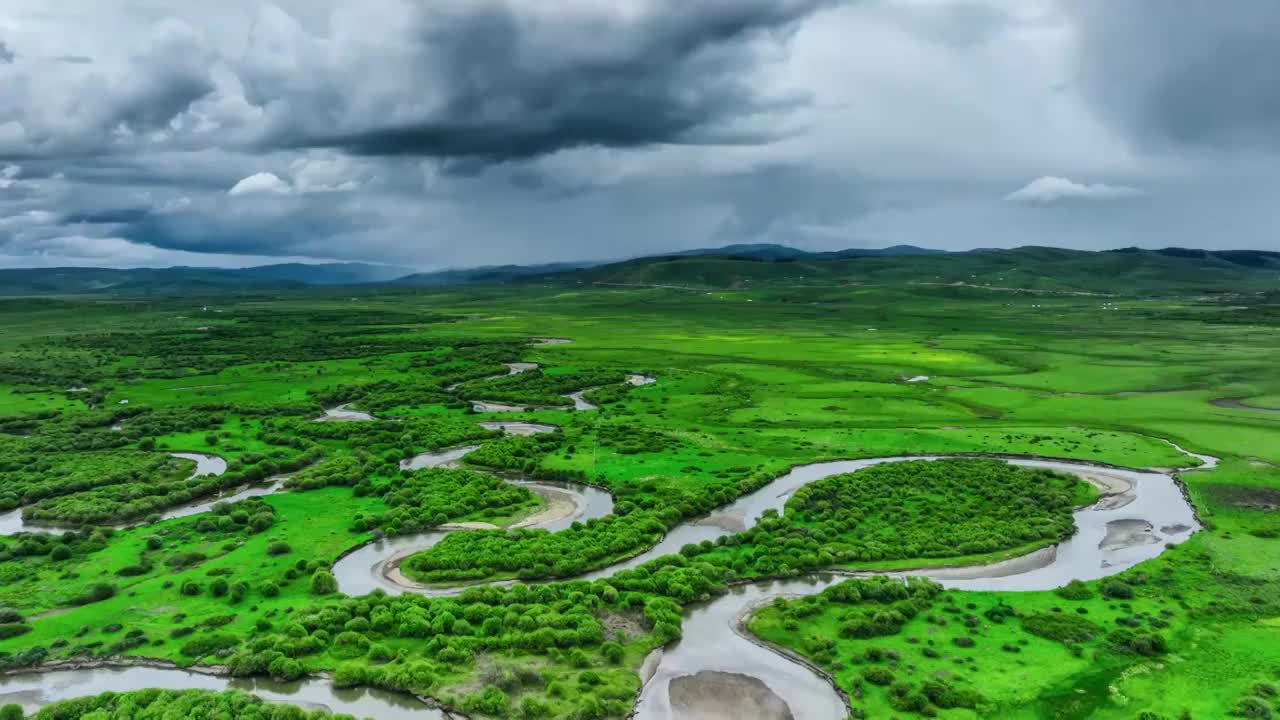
x,y
750,382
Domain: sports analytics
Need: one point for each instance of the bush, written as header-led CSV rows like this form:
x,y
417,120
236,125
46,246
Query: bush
x,y
95,593
61,552
208,645
323,583
11,712
1059,627
1252,707
1117,590
613,652
279,547
270,589
219,587
878,676
1074,590
1131,643
14,629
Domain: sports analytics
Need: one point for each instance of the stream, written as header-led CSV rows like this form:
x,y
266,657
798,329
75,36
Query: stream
x,y
342,413
1240,405
375,565
34,690
12,522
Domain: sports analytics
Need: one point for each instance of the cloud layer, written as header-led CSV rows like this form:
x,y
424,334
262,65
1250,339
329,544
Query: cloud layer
x,y
466,132
1048,190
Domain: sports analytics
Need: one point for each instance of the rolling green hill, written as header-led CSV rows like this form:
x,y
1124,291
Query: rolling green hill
x,y
1026,269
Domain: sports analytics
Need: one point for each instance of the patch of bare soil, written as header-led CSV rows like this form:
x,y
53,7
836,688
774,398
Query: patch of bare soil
x,y
1246,497
629,625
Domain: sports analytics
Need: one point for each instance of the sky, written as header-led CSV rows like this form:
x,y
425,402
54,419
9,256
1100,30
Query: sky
x,y
457,133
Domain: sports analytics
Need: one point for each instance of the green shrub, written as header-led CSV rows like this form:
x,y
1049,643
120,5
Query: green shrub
x,y
877,675
323,583
1059,627
1074,590
1117,589
14,629
208,645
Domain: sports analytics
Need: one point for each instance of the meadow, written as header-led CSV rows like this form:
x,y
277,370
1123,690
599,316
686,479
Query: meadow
x,y
94,392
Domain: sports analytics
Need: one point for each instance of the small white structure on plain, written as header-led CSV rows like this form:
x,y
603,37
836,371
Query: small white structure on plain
x,y
918,378
124,402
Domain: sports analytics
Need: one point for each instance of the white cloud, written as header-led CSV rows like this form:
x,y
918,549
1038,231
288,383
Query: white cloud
x,y
1049,189
9,176
263,182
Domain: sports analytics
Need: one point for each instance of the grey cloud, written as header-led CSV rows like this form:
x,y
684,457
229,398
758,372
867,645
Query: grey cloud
x,y
244,225
498,81
163,81
6,55
111,216
1184,72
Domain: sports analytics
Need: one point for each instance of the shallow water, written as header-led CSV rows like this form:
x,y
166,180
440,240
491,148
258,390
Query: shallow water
x,y
270,486
494,407
437,458
1238,405
342,413
35,690
205,464
580,402
519,428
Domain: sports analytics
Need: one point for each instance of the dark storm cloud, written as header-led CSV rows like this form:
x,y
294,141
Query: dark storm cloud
x,y
265,228
6,55
514,86
1186,72
110,216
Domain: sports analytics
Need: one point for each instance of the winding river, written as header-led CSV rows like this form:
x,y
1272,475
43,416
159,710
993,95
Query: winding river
x,y
376,565
34,690
1139,515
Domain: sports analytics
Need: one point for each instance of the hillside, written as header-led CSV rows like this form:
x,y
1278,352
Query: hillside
x,y
79,280
1038,269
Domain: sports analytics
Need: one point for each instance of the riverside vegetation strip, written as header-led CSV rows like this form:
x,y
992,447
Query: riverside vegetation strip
x,y
743,393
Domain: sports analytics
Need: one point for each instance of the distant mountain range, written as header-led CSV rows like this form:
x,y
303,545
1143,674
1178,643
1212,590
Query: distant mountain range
x,y
1039,269
77,280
